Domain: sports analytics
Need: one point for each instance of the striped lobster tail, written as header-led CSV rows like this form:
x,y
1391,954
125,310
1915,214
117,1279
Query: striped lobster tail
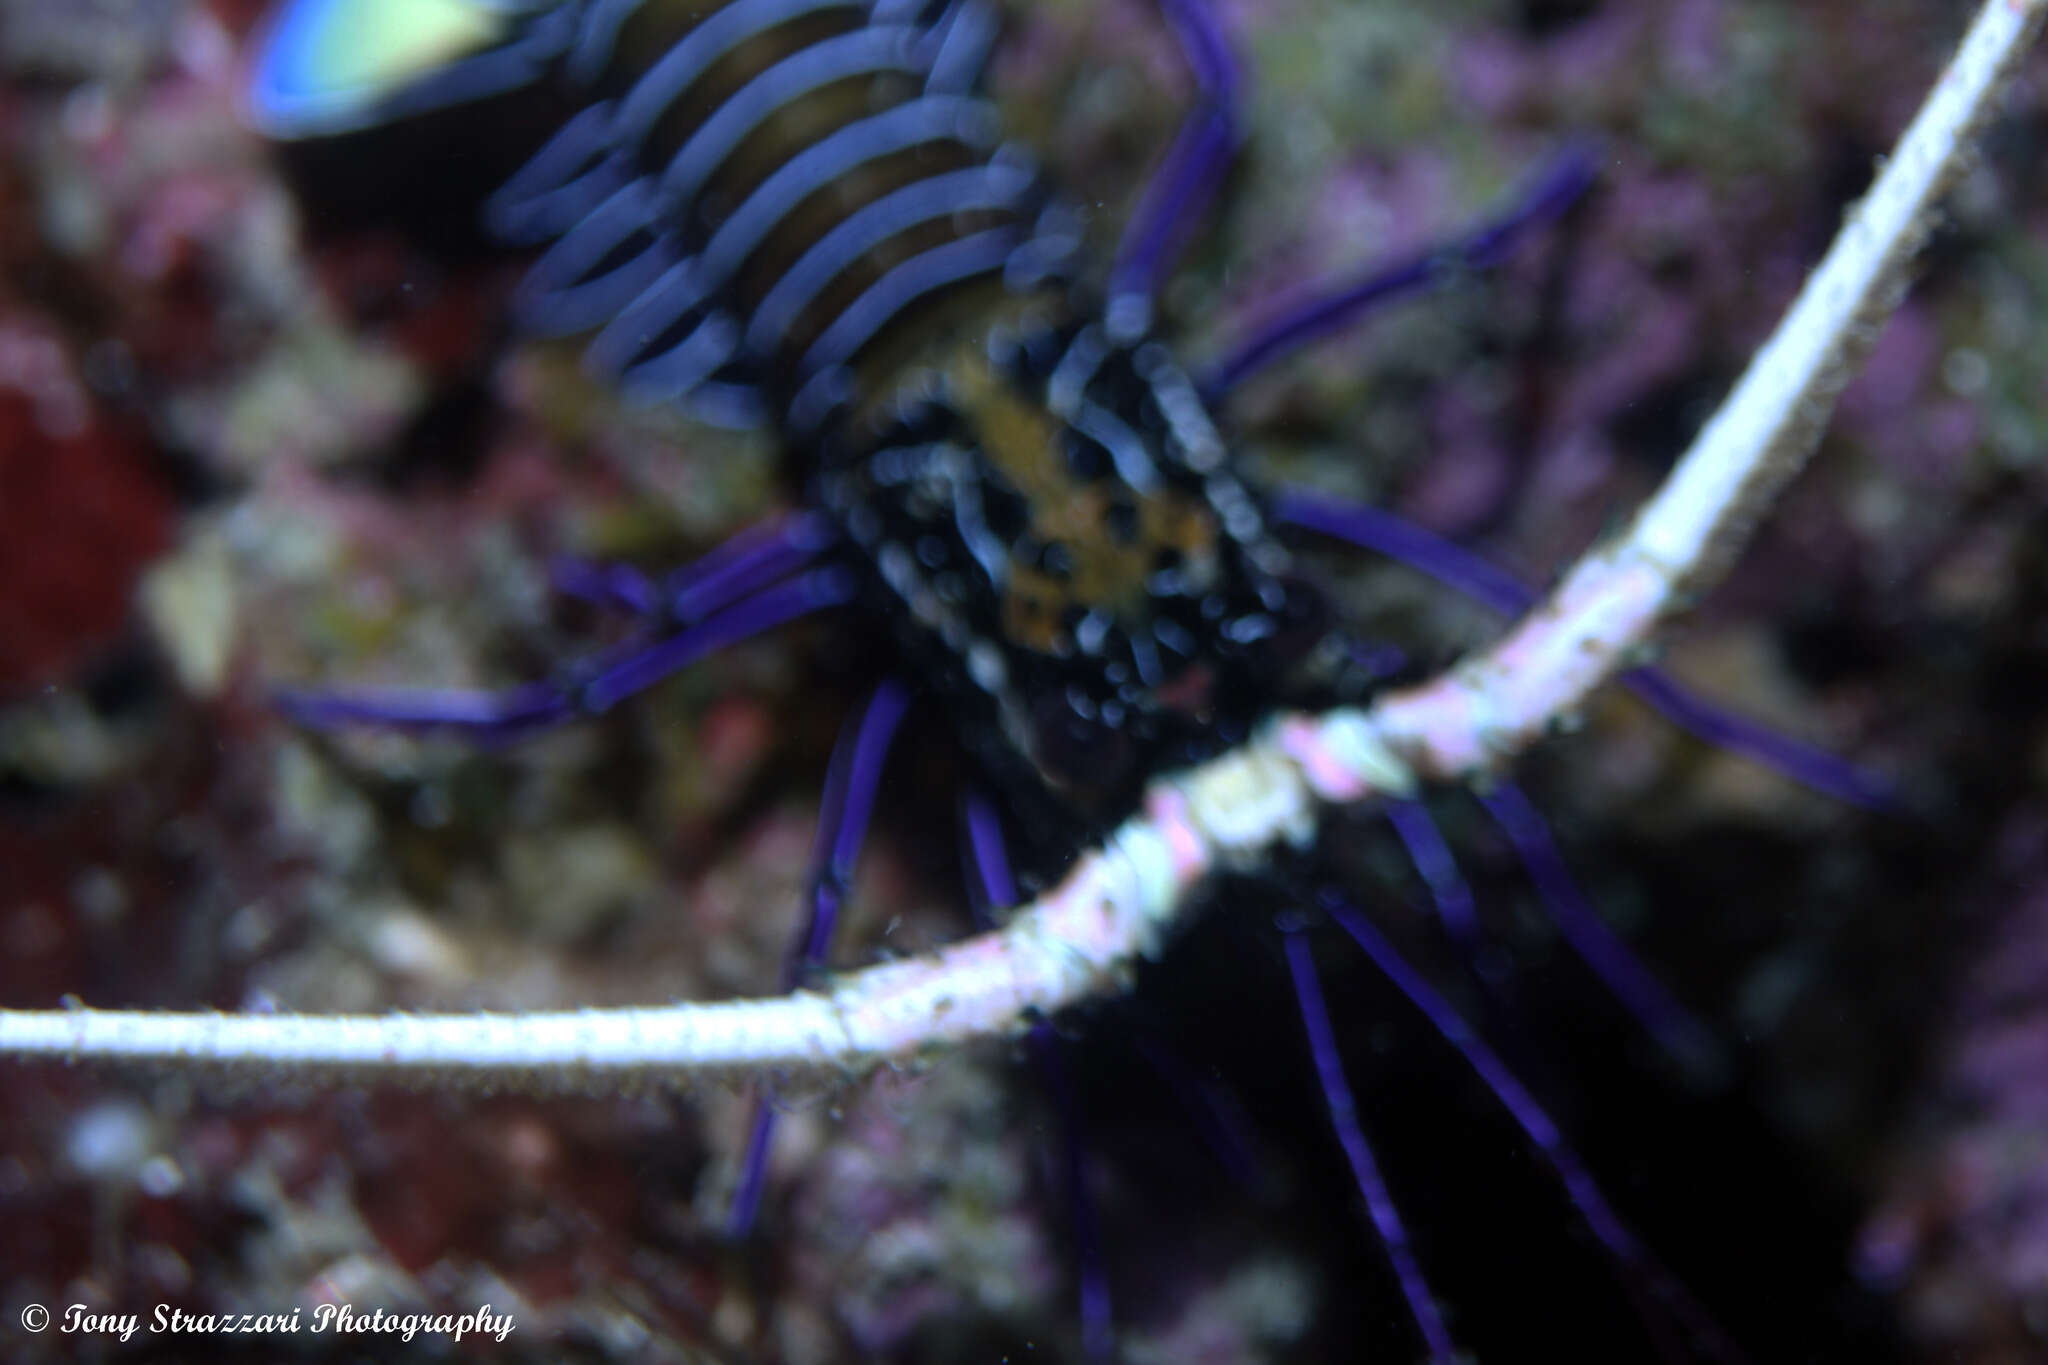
x,y
754,197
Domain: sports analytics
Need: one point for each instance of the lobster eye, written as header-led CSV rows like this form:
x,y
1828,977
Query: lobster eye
x,y
1076,746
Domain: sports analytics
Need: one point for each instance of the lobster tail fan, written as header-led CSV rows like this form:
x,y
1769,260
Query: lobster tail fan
x,y
325,68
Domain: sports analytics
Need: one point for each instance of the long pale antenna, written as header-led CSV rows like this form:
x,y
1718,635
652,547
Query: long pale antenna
x,y
1081,939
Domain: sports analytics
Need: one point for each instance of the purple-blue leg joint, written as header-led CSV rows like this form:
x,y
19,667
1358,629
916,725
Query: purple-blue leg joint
x,y
1801,762
841,847
1343,1111
611,587
749,561
1376,659
994,887
751,616
851,782
1369,528
1330,308
1098,1332
500,716
1217,1112
1180,190
1606,1225
1639,992
1213,1110
1432,859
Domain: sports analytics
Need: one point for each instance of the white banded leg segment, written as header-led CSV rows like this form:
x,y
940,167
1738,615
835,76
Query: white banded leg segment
x,y
983,253
566,181
696,52
602,265
814,168
679,371
995,188
597,37
866,52
966,32
651,324
642,324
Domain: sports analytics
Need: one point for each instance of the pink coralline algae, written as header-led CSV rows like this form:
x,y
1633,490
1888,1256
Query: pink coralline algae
x,y
1963,1233
85,514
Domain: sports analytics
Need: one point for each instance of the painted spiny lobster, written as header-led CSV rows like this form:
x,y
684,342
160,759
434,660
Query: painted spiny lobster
x,y
1036,499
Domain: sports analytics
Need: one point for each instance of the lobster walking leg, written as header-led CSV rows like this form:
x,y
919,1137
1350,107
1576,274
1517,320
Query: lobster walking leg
x,y
494,717
1624,975
1371,528
994,887
1433,861
1180,190
1343,1111
751,560
851,783
506,715
1331,307
1655,1286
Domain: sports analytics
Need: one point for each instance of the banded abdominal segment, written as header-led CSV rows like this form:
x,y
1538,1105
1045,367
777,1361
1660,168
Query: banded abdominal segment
x,y
755,195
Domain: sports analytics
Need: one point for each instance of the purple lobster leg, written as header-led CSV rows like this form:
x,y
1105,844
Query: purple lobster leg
x,y
851,783
1802,763
1633,984
1432,859
1331,308
1638,990
1638,1265
1343,1110
1214,1109
500,716
1180,190
1369,528
1595,944
749,561
995,888
746,563
612,587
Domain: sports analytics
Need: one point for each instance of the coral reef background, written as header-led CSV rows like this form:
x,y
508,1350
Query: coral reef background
x,y
257,427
